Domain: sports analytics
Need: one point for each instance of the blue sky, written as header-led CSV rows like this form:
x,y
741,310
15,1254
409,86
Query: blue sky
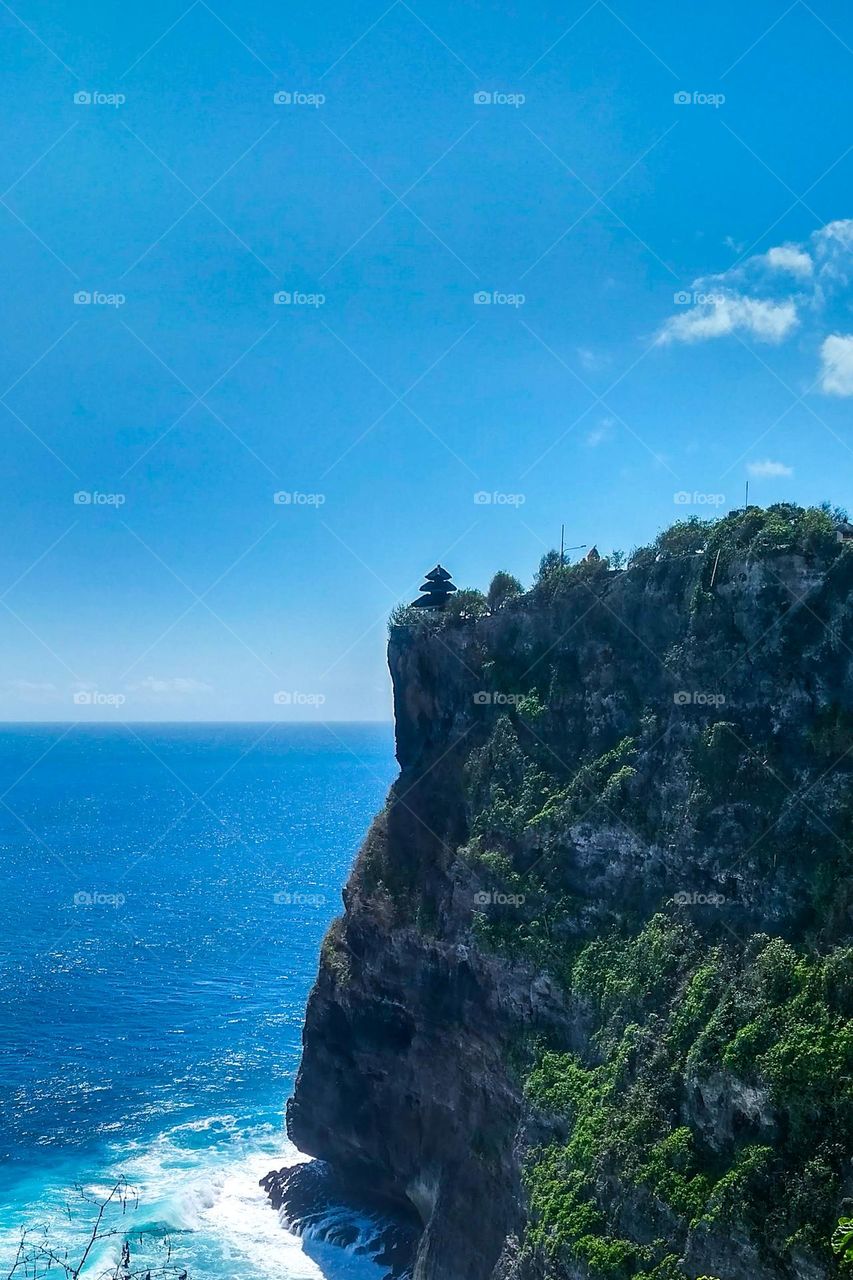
x,y
653,199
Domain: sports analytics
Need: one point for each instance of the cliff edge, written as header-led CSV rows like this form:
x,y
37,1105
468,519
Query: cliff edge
x,y
587,1009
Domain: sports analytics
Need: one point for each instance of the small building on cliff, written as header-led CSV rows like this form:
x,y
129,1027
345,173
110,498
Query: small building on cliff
x,y
437,589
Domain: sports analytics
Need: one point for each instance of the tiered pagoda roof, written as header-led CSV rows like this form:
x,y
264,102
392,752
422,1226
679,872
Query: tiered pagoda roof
x,y
437,589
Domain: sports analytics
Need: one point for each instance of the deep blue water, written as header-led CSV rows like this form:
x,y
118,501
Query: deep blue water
x,y
164,890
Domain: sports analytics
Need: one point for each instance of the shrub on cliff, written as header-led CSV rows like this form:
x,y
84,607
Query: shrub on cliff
x,y
556,576
684,538
502,588
842,1241
669,1012
465,605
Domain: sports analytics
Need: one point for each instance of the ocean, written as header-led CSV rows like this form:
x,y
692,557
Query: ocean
x,y
165,889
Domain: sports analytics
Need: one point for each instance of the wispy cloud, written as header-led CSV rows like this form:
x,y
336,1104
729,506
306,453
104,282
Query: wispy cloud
x,y
600,433
592,360
790,258
770,295
170,687
768,469
33,690
836,374
728,313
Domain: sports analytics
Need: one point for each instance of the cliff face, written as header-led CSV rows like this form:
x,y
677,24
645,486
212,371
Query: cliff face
x,y
585,1010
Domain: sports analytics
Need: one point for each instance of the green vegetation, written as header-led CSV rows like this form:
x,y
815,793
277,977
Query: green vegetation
x,y
502,588
334,955
669,1013
842,1241
709,545
465,605
555,577
783,528
714,1092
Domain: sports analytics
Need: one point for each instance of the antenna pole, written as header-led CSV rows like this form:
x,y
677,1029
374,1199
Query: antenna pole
x,y
746,499
562,543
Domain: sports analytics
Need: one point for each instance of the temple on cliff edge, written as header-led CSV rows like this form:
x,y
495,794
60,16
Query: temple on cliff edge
x,y
437,588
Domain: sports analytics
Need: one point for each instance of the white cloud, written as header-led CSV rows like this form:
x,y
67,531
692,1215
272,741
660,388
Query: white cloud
x,y
729,313
175,685
32,690
769,469
592,359
600,433
768,295
834,234
836,375
790,258
832,248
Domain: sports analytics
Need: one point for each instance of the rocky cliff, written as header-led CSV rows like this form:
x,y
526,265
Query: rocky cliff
x,y
587,1010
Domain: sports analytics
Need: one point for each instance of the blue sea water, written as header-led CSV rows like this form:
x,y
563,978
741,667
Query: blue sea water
x,y
164,893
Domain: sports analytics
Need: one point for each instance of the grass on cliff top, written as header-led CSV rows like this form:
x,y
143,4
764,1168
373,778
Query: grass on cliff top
x,y
757,532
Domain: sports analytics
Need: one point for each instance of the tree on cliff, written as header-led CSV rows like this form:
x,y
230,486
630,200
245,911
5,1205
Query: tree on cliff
x,y
502,588
466,605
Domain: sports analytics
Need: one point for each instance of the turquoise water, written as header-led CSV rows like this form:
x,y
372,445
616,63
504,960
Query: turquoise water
x,y
165,889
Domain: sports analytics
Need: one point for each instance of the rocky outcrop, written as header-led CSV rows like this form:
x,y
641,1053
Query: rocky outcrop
x,y
418,1032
